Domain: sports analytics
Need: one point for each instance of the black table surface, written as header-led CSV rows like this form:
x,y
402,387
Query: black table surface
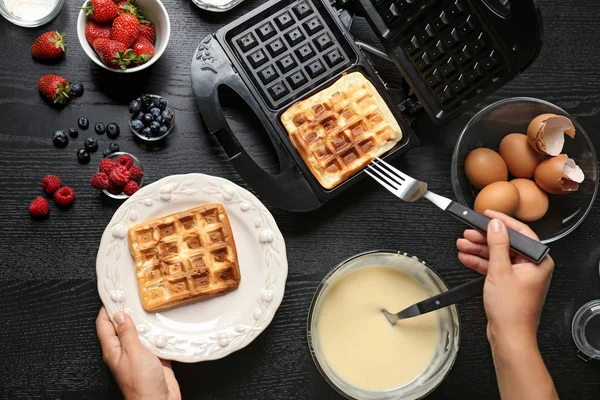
x,y
48,296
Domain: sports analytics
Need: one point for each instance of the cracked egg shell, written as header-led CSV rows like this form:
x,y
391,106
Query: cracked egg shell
x,y
559,175
546,133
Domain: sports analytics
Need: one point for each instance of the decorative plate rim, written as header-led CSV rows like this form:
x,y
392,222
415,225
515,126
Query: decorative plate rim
x,y
174,345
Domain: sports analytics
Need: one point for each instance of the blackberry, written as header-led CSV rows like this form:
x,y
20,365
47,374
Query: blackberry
x,y
60,139
100,128
83,123
73,132
91,144
83,156
112,130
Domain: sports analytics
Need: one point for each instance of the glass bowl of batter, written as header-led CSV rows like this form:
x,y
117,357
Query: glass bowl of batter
x,y
356,349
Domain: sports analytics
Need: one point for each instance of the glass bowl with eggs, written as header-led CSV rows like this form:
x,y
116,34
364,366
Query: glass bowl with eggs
x,y
529,159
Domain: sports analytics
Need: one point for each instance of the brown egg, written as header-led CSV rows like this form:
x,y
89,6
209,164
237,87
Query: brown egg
x,y
520,158
498,196
546,133
559,175
485,166
533,202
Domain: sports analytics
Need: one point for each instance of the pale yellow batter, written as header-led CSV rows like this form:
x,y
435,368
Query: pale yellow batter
x,y
359,342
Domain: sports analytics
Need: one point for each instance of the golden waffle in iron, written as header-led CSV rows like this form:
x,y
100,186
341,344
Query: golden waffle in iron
x,y
184,256
339,130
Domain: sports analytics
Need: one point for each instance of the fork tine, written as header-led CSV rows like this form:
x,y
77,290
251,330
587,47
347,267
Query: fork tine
x,y
389,174
382,182
393,169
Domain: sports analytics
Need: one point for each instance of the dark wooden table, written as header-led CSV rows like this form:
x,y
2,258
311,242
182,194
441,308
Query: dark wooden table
x,y
48,296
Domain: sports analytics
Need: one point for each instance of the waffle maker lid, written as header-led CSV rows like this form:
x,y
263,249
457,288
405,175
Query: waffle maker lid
x,y
452,53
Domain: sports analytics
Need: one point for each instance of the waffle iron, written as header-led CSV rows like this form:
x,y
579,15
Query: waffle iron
x,y
452,54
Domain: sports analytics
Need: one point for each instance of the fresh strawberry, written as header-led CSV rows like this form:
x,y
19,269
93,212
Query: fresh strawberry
x,y
101,10
125,29
48,45
128,6
54,88
143,49
147,31
114,54
95,30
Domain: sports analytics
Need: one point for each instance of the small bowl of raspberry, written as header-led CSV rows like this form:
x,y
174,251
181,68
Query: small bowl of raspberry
x,y
119,175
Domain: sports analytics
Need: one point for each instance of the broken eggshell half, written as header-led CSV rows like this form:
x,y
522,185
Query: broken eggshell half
x,y
546,133
559,175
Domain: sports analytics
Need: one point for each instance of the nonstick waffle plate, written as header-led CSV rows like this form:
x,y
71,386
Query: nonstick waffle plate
x,y
282,52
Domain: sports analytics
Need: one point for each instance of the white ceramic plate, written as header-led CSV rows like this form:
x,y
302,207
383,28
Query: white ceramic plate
x,y
210,329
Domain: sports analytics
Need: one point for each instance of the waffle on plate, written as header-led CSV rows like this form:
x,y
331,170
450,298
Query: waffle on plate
x,y
184,256
339,130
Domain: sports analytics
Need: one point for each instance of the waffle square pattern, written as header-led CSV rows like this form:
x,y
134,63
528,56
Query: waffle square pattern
x,y
341,129
184,256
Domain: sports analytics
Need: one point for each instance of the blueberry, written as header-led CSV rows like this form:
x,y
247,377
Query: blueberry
x,y
91,144
148,118
147,132
135,106
162,103
155,111
60,139
159,119
140,115
154,127
167,115
113,147
100,128
163,130
73,132
76,89
137,125
112,130
83,123
83,156
147,102
106,153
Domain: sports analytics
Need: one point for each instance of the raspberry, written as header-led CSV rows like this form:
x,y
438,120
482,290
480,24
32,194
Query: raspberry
x,y
125,160
114,188
131,188
119,176
64,196
100,181
39,207
51,183
136,173
107,165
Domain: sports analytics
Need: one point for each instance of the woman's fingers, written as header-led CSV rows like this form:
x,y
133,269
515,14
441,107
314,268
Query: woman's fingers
x,y
475,236
109,341
467,246
512,223
474,262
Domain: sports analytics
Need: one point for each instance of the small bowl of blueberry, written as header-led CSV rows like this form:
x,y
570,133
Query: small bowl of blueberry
x,y
151,118
119,175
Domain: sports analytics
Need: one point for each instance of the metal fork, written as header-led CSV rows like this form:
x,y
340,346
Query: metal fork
x,y
411,190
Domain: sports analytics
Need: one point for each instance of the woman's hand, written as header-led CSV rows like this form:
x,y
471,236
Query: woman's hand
x,y
515,288
139,373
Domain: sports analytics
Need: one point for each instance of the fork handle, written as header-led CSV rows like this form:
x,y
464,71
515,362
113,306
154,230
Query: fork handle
x,y
525,246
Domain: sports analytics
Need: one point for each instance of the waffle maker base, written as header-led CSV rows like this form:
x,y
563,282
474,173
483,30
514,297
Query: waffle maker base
x,y
282,52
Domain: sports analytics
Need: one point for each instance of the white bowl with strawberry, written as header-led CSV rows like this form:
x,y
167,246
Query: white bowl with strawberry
x,y
125,35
